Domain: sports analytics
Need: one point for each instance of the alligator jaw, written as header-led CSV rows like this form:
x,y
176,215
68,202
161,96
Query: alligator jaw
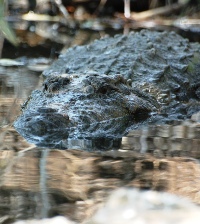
x,y
36,126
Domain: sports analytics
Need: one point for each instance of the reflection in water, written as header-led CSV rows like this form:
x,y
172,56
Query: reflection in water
x,y
92,144
88,144
182,139
44,183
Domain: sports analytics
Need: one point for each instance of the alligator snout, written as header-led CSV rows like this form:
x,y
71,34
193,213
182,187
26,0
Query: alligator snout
x,y
44,123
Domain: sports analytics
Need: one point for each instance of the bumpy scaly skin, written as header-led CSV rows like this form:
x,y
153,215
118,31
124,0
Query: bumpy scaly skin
x,y
96,90
82,106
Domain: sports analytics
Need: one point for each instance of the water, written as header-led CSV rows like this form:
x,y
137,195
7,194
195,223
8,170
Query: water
x,y
39,182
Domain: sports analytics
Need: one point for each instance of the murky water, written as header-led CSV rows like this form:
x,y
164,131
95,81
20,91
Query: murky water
x,y
41,182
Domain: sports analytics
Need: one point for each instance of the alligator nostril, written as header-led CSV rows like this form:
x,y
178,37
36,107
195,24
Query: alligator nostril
x,y
103,90
28,119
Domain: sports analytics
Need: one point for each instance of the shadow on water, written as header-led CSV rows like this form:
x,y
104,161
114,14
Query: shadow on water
x,y
40,182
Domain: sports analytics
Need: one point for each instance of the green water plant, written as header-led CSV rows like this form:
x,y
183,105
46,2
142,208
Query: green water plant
x,y
5,28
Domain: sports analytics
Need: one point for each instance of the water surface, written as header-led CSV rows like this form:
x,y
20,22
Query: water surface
x,y
39,182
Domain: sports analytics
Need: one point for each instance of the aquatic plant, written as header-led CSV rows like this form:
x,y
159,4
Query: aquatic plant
x,y
4,25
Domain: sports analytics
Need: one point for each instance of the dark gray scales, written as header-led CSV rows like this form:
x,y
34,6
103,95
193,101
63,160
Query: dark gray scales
x,y
114,84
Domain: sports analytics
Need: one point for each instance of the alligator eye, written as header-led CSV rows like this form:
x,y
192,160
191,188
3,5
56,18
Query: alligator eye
x,y
54,87
28,119
103,90
64,81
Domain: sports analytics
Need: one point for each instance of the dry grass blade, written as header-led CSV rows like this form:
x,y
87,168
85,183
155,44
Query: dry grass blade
x,y
40,17
157,11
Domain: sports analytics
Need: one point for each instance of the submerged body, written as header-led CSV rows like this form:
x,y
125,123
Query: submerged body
x,y
114,84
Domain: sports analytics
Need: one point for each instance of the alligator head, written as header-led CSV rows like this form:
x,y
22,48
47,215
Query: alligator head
x,y
82,106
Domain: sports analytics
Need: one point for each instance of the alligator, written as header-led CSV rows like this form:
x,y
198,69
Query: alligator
x,y
113,85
